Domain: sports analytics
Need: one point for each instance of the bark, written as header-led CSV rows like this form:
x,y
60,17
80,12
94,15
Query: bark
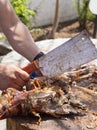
x,y
56,21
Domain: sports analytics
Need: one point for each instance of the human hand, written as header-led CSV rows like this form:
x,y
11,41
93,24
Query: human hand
x,y
12,76
35,74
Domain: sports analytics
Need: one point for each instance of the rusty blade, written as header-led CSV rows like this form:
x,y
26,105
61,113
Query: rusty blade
x,y
73,53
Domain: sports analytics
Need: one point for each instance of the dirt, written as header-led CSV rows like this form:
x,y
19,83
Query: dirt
x,y
65,30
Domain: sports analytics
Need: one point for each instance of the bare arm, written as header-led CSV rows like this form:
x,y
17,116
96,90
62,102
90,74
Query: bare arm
x,y
16,32
20,39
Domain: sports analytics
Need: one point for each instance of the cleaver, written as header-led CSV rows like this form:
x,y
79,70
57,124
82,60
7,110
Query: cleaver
x,y
77,51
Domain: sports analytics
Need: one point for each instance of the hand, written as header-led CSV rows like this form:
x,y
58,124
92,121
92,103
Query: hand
x,y
12,76
35,74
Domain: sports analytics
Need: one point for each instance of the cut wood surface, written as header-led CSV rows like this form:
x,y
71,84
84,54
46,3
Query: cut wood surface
x,y
83,122
88,122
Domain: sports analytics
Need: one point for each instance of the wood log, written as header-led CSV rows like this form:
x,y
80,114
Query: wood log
x,y
86,122
46,124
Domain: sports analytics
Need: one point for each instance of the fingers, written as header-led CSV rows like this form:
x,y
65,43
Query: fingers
x,y
21,78
24,76
12,76
16,86
19,81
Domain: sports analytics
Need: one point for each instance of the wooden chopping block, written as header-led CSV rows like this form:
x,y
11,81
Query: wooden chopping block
x,y
85,122
46,124
88,122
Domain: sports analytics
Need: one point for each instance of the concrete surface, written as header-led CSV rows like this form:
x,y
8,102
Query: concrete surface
x,y
45,11
3,125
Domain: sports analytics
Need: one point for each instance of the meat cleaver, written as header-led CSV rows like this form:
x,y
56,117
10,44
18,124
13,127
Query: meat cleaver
x,y
77,51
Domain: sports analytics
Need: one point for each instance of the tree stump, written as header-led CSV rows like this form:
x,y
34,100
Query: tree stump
x,y
46,124
87,122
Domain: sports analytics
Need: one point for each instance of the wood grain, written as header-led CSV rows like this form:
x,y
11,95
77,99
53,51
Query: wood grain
x,y
88,121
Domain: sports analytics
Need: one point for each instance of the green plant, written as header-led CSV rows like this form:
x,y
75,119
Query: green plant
x,y
22,10
84,13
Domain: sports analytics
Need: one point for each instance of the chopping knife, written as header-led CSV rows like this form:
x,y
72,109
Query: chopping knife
x,y
77,51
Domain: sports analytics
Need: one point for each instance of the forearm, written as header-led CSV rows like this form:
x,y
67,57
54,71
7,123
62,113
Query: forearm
x,y
16,32
20,39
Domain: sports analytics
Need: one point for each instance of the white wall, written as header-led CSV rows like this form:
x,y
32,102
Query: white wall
x,y
45,11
